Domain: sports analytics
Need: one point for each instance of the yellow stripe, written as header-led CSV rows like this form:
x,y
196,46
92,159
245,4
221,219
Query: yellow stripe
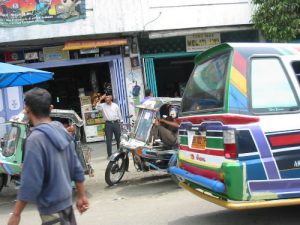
x,y
238,80
240,205
185,159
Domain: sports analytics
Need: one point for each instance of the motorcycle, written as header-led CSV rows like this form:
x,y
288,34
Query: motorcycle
x,y
147,153
13,135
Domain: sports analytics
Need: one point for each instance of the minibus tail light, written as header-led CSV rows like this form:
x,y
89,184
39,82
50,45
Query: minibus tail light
x,y
230,148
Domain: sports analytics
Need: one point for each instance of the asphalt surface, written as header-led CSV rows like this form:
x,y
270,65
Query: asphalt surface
x,y
149,198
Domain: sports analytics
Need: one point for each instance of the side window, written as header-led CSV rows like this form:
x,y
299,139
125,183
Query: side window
x,y
296,68
11,141
271,90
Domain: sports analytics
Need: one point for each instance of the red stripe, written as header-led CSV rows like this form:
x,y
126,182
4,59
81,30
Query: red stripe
x,y
224,118
240,63
285,140
206,151
212,174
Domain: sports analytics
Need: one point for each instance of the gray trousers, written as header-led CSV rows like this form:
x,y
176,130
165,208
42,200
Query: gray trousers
x,y
167,137
110,129
64,217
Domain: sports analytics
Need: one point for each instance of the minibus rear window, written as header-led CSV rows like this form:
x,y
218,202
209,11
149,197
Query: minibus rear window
x,y
271,90
205,88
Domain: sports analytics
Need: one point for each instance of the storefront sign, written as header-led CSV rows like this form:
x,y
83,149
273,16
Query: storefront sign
x,y
14,57
200,42
23,13
74,45
89,51
55,53
85,100
31,55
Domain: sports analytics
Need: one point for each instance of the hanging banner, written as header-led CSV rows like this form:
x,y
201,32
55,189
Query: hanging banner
x,y
15,13
201,42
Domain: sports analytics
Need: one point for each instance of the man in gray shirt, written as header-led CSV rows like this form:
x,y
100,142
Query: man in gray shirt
x,y
112,116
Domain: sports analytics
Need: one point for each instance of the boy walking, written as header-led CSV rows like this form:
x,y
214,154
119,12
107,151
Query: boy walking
x,y
50,165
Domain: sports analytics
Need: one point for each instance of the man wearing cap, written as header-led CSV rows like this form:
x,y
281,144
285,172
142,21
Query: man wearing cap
x,y
112,116
166,129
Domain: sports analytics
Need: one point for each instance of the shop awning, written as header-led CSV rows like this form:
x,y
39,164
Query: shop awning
x,y
74,45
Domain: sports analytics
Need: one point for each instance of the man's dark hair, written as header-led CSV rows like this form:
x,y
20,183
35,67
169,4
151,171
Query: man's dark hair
x,y
147,92
39,101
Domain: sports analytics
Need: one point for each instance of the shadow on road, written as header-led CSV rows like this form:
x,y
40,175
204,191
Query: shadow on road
x,y
267,216
152,185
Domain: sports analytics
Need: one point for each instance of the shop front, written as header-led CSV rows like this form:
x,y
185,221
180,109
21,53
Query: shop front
x,y
78,78
168,62
84,73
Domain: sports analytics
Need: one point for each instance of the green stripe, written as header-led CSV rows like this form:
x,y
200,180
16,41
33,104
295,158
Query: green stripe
x,y
170,55
233,180
183,140
285,51
215,143
227,86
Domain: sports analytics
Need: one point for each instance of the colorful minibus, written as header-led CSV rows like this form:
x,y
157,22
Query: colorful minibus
x,y
239,134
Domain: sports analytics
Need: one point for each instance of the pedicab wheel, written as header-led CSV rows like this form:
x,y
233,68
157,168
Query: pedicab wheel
x,y
115,171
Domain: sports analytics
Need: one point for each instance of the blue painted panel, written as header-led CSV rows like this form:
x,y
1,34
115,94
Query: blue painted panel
x,y
290,174
254,167
237,101
119,86
289,195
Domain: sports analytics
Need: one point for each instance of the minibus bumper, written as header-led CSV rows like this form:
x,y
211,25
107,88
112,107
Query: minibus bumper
x,y
241,205
214,185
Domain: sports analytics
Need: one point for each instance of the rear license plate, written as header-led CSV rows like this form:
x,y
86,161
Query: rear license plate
x,y
199,142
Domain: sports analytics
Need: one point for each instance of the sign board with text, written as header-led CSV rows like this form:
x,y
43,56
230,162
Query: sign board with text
x,y
201,42
55,53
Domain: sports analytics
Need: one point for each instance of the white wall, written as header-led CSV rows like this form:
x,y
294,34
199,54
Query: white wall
x,y
176,14
121,16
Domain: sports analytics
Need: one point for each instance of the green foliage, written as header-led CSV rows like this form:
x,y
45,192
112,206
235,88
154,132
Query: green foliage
x,y
278,20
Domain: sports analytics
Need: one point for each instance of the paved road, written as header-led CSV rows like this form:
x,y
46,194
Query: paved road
x,y
150,199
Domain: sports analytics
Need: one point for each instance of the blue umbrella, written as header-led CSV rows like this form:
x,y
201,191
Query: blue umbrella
x,y
11,75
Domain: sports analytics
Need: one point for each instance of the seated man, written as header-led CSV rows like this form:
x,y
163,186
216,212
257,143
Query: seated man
x,y
166,129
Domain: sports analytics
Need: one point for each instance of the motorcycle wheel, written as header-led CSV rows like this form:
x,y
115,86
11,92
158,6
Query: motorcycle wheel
x,y
115,170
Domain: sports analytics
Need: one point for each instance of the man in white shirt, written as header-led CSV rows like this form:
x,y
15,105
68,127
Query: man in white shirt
x,y
112,116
